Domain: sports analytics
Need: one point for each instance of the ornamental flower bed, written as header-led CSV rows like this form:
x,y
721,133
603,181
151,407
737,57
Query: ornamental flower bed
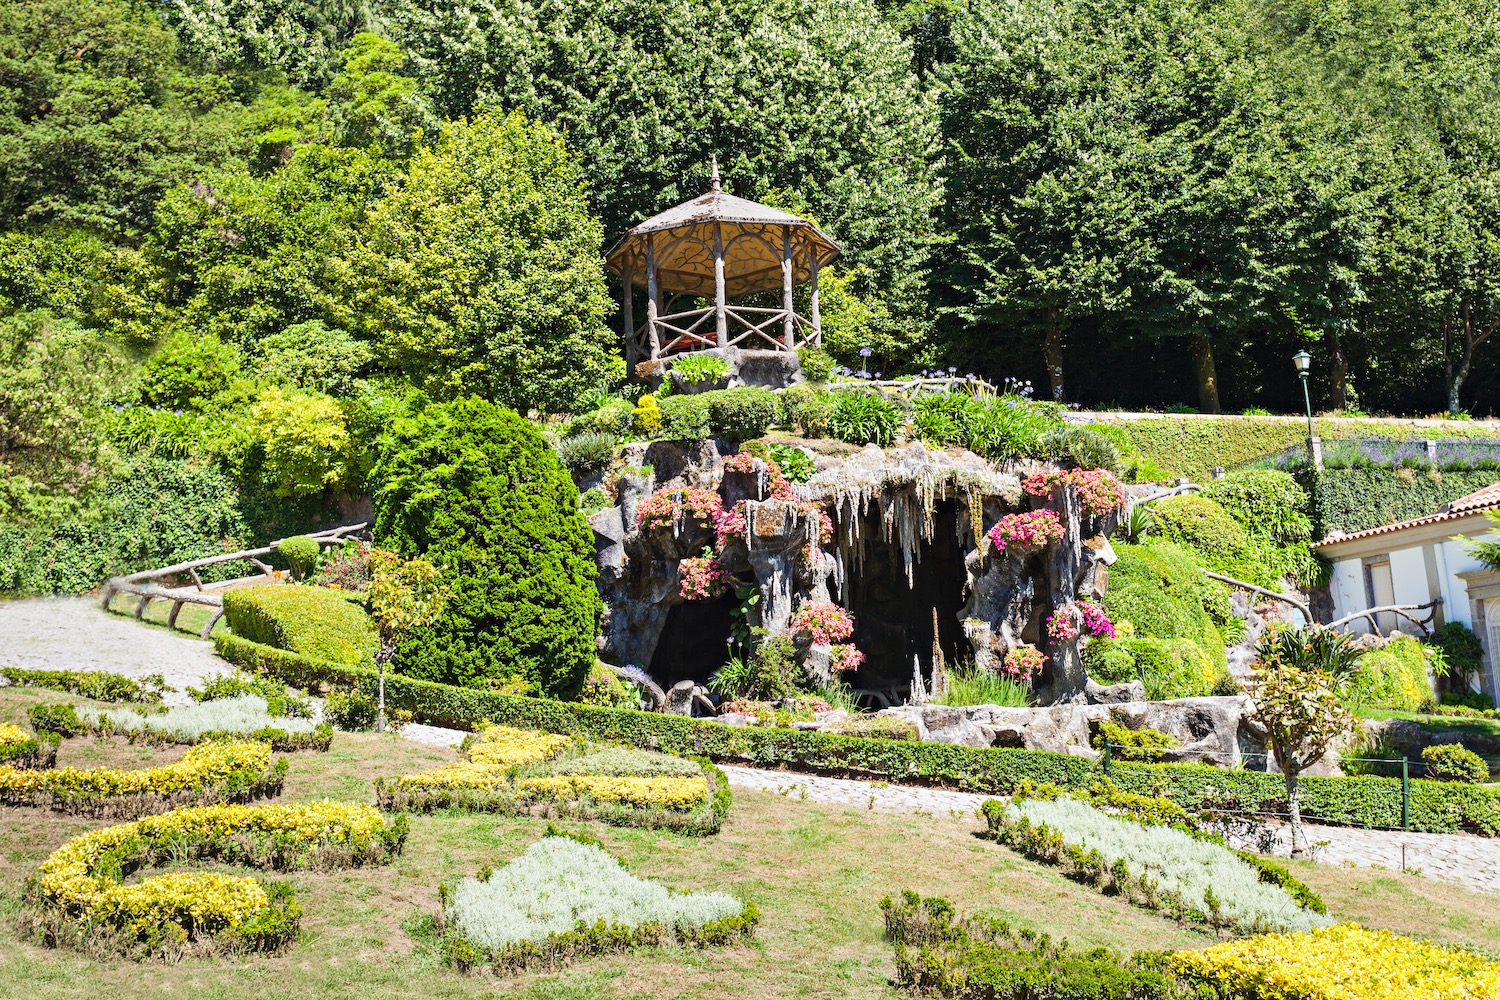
x,y
1026,532
827,622
524,772
564,899
667,507
213,772
1346,962
18,748
1099,492
1023,662
79,897
703,577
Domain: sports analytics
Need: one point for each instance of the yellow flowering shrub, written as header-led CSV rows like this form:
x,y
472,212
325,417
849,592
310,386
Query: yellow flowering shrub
x,y
11,735
80,880
506,747
1345,962
202,767
666,792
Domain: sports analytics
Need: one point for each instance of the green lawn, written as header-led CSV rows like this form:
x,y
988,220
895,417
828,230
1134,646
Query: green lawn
x,y
1438,723
817,873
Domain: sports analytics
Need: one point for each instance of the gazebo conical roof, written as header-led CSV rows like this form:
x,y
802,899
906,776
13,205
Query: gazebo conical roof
x,y
754,240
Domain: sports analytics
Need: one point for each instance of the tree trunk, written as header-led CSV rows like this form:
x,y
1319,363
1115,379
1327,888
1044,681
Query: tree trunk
x,y
1294,809
382,657
1338,371
1208,374
1054,352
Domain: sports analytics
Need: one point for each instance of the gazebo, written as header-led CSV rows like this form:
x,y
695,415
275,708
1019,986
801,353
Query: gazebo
x,y
724,250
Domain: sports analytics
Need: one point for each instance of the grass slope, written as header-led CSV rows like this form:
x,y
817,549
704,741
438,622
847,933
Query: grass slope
x,y
816,872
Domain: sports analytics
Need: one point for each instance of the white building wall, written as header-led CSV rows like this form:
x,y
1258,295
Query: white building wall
x,y
1409,578
1452,560
1347,584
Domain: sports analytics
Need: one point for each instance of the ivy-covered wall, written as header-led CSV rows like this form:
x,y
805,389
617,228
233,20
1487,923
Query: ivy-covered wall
x,y
1356,499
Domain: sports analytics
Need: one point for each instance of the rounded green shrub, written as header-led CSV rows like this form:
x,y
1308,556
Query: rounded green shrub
x,y
1169,668
1158,587
1452,762
685,418
808,409
301,554
1393,676
1264,501
587,451
314,621
1460,648
1199,522
816,364
743,413
475,488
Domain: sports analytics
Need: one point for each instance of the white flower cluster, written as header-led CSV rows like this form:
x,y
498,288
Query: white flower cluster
x,y
1175,862
243,715
559,883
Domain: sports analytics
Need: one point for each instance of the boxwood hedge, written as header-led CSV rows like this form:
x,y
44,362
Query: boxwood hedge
x,y
313,621
1360,801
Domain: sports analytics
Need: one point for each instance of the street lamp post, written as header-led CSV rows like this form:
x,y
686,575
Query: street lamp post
x,y
1303,361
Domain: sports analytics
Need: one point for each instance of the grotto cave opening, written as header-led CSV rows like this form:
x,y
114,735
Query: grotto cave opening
x,y
893,619
694,640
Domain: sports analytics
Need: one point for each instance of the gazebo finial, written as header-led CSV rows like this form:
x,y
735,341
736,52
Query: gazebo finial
x,y
713,177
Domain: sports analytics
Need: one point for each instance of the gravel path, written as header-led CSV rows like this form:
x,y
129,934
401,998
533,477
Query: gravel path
x,y
73,633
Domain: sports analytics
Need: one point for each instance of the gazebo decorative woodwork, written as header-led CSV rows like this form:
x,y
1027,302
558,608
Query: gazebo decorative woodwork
x,y
721,249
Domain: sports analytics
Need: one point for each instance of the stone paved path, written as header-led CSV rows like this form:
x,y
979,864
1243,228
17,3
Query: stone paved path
x,y
75,634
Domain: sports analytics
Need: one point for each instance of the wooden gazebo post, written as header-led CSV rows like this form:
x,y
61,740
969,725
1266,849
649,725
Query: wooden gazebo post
x,y
721,297
817,320
789,326
632,349
653,296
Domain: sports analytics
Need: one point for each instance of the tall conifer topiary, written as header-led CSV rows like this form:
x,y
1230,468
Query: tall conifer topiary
x,y
475,488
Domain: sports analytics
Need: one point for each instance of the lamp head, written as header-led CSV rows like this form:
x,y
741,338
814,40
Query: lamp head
x,y
1303,361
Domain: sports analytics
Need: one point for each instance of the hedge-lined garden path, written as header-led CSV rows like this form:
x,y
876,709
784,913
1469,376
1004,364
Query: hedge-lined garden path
x,y
74,633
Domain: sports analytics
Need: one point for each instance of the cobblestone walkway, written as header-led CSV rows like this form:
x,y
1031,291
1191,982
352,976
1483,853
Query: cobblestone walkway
x,y
1466,860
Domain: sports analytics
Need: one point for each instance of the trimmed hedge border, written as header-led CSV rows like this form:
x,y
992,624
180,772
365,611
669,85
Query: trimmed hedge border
x,y
1435,806
96,684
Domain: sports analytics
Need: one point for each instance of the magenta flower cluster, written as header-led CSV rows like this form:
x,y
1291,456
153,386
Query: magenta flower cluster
x,y
703,577
1099,492
827,622
845,656
1023,662
1062,626
1095,622
664,507
1026,531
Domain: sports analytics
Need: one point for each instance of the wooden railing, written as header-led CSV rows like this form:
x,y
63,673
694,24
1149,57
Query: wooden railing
x,y
144,584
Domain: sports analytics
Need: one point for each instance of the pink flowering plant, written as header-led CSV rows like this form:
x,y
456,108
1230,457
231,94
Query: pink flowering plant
x,y
1062,626
664,507
845,656
780,486
1095,622
730,526
703,577
1023,662
827,622
1027,531
1099,492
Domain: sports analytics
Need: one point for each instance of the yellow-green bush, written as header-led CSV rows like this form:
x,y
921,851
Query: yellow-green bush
x,y
313,621
1346,962
228,771
664,791
1393,676
79,893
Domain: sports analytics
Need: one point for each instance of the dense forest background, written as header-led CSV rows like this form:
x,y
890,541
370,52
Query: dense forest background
x,y
236,236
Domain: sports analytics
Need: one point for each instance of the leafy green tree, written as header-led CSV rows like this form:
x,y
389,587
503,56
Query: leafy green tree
x,y
301,39
376,100
81,275
96,117
313,357
480,272
476,489
811,104
304,439
188,370
404,594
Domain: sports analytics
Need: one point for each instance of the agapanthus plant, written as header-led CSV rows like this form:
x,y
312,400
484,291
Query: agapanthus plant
x,y
1026,532
827,622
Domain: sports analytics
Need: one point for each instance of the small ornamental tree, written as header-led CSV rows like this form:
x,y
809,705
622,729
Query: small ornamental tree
x,y
404,594
1304,715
